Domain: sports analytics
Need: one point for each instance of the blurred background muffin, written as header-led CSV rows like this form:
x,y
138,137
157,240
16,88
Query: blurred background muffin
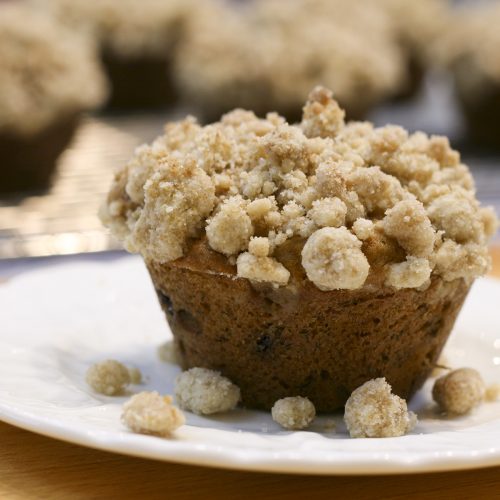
x,y
136,39
48,77
417,26
471,49
259,55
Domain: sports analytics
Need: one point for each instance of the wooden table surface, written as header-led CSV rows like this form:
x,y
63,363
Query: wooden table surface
x,y
36,467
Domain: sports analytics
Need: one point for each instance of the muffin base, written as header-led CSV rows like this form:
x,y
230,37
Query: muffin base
x,y
138,83
275,343
28,163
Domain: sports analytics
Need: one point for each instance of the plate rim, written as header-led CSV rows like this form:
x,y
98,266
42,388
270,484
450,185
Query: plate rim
x,y
223,457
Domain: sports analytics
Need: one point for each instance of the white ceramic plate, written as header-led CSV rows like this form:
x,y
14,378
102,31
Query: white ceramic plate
x,y
58,320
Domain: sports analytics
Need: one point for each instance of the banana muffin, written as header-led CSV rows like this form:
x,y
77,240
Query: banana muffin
x,y
136,39
304,260
261,56
42,67
470,48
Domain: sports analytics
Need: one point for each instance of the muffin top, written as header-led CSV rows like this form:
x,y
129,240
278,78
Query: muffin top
x,y
46,72
127,28
344,205
418,24
261,53
473,43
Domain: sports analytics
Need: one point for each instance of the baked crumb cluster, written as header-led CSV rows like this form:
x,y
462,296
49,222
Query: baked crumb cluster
x,y
364,201
169,352
262,53
204,392
459,391
110,377
293,413
128,28
42,67
373,411
150,413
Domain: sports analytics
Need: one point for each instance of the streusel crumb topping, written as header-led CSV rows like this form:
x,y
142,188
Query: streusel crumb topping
x,y
362,200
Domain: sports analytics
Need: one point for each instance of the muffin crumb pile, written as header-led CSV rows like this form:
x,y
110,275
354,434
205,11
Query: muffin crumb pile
x,y
150,413
204,392
108,377
363,201
459,391
373,411
293,413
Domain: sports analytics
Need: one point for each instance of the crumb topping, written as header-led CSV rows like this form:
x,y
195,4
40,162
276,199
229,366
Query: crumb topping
x,y
204,392
293,413
373,411
150,413
108,377
361,200
459,391
42,67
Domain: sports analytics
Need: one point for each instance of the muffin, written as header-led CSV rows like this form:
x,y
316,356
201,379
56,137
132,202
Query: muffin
x,y
470,48
417,27
304,260
42,67
136,38
262,57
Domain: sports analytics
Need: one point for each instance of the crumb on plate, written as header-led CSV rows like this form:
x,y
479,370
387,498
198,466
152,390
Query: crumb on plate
x,y
204,391
459,391
373,410
169,352
293,413
135,375
108,377
492,393
150,413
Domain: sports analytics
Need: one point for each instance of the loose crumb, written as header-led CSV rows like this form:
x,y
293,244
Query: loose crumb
x,y
492,393
373,411
204,392
150,413
108,377
293,413
169,352
135,375
459,391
